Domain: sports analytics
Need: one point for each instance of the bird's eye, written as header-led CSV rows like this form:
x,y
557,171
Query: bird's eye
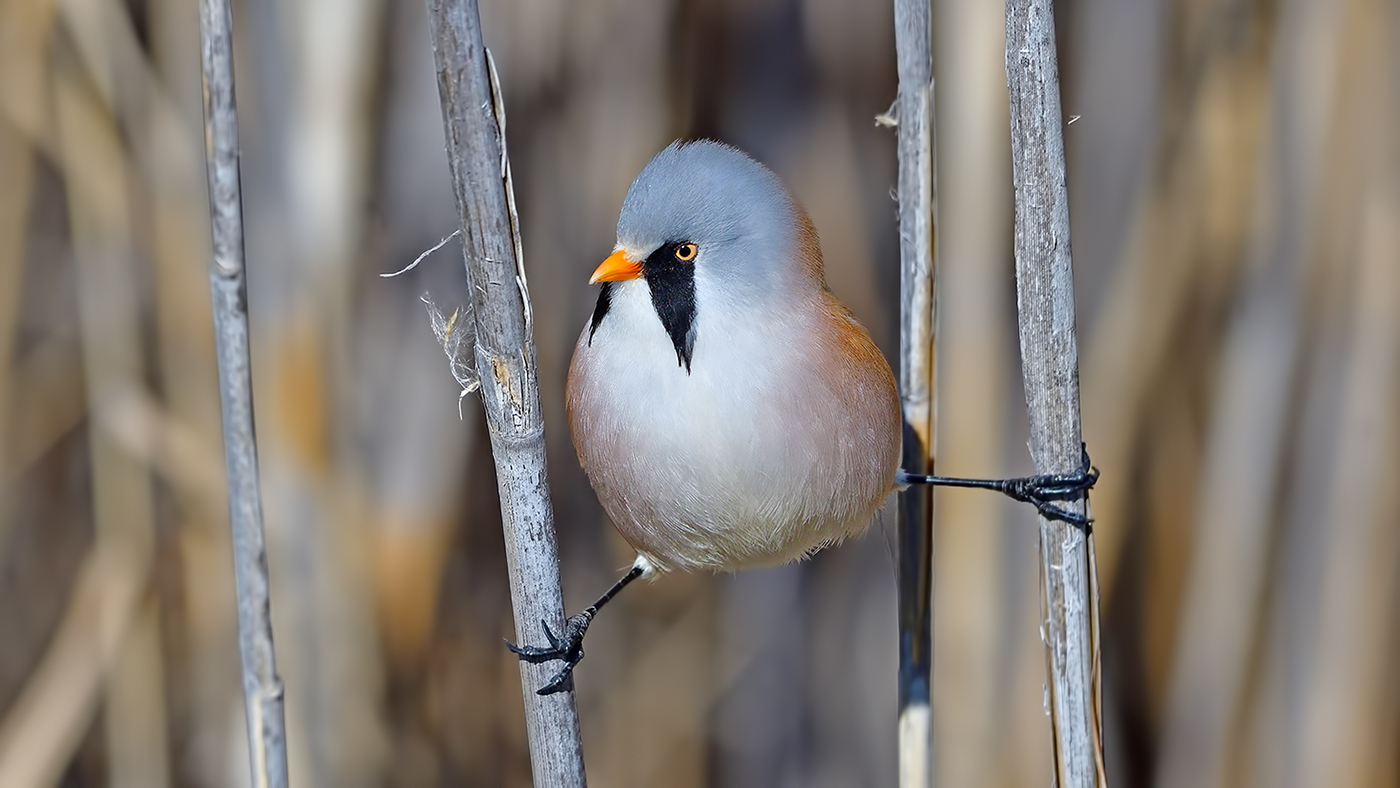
x,y
686,252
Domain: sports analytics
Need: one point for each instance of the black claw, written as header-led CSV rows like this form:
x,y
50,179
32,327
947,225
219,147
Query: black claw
x,y
567,647
564,678
535,654
1075,519
1041,491
549,635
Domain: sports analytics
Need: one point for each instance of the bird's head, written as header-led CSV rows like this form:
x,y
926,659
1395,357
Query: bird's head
x,y
708,207
707,227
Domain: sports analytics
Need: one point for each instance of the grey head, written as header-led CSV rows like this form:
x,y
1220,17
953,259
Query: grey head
x,y
713,231
742,220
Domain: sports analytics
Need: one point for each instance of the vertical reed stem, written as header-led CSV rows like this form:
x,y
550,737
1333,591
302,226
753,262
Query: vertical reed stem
x,y
1050,367
262,689
474,126
917,195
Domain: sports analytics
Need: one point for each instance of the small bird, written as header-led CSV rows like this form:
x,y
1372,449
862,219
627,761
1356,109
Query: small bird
x,y
729,412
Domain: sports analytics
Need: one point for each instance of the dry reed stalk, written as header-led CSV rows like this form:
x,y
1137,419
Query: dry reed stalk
x,y
1249,419
329,55
643,747
165,154
416,468
329,156
1322,520
109,318
48,720
170,163
1187,232
262,689
16,171
1145,364
1167,499
1050,367
917,205
180,435
48,388
974,358
506,363
1334,600
757,725
24,33
1342,714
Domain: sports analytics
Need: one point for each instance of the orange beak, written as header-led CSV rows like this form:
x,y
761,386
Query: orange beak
x,y
616,268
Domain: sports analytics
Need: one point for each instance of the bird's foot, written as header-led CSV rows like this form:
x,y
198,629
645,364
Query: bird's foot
x,y
567,646
1043,491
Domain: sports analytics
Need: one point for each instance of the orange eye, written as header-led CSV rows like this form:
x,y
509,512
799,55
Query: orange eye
x,y
686,252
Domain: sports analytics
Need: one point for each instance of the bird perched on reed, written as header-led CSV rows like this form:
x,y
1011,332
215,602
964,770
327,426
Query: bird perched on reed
x,y
729,412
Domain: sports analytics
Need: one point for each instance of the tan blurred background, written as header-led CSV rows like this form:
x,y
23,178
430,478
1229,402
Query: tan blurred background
x,y
1235,184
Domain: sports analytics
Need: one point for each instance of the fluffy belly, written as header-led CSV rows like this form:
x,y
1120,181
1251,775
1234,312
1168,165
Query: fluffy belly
x,y
728,466
723,510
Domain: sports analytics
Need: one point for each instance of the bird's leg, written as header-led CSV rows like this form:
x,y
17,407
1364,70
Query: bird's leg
x,y
568,645
1039,491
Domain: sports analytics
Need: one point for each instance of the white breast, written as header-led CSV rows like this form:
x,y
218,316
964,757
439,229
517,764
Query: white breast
x,y
750,458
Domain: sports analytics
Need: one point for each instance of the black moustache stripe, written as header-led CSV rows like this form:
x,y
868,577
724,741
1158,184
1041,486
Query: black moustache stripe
x,y
672,285
601,310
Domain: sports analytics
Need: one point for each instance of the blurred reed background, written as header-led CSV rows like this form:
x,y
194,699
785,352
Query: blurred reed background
x,y
1235,176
